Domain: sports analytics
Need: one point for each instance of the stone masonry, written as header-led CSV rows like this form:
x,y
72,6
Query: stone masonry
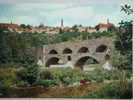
x,y
75,52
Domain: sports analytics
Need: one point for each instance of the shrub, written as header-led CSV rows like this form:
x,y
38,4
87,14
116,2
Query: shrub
x,y
66,81
29,74
3,89
45,83
128,74
1,77
97,78
46,75
119,61
112,90
66,78
22,84
107,74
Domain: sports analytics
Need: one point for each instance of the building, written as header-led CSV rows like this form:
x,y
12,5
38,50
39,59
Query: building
x,y
103,27
55,30
91,29
11,27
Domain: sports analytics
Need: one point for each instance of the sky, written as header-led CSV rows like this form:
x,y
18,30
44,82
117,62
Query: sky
x,y
50,12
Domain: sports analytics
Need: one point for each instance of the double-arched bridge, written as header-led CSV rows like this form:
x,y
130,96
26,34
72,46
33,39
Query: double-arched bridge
x,y
75,52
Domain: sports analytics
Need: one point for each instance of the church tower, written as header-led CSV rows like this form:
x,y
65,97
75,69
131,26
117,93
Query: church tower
x,y
61,22
108,21
62,26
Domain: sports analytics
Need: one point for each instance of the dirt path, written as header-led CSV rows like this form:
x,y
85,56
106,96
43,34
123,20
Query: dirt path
x,y
73,91
52,92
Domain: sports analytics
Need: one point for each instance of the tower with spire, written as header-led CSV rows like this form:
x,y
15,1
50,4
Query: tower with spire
x,y
61,22
108,21
62,26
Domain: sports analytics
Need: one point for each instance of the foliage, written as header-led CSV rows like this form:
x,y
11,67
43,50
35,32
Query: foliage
x,y
1,77
66,76
28,74
13,49
46,75
4,89
46,83
114,90
127,9
119,61
25,26
91,61
123,43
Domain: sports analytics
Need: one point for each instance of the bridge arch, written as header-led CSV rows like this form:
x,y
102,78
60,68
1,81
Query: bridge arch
x,y
53,52
83,50
52,61
101,48
67,51
81,61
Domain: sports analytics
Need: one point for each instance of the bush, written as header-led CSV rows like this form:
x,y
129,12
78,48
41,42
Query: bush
x,y
107,74
4,89
29,74
128,74
119,90
115,75
1,77
22,84
46,75
119,61
45,83
96,78
66,78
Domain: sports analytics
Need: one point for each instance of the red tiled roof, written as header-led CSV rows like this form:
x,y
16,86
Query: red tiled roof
x,y
105,25
9,25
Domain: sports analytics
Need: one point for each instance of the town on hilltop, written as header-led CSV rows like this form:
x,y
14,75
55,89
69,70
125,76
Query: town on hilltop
x,y
101,27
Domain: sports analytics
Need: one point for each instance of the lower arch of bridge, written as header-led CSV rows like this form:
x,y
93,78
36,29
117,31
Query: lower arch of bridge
x,y
52,61
81,61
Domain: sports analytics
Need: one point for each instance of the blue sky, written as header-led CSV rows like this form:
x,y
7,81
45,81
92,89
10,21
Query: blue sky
x,y
87,13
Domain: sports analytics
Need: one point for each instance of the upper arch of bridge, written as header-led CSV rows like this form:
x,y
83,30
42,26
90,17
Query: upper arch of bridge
x,y
75,46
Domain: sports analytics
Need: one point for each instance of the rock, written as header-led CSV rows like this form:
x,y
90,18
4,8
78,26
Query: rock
x,y
76,83
107,66
39,62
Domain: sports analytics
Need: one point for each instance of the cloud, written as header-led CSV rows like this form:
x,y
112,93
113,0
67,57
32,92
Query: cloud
x,y
51,14
55,1
75,15
67,1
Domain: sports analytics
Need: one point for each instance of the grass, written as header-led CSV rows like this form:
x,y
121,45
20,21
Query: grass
x,y
113,90
66,77
92,66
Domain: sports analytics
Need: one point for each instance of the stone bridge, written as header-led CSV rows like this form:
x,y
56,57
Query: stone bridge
x,y
73,54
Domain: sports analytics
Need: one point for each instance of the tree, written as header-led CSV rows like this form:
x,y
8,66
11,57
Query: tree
x,y
112,28
29,74
123,42
5,52
75,28
97,27
23,25
41,25
119,61
127,9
